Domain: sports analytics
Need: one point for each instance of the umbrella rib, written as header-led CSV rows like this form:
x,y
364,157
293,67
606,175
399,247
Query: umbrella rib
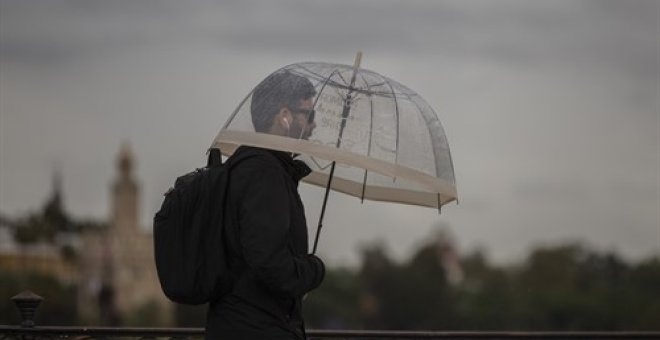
x,y
347,87
312,72
371,130
344,114
323,87
325,82
396,110
344,80
233,115
451,162
337,84
319,96
314,106
437,171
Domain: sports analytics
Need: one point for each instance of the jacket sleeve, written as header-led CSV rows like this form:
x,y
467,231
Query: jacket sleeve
x,y
265,215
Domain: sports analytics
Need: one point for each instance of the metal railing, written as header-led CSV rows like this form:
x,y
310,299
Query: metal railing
x,y
80,333
28,302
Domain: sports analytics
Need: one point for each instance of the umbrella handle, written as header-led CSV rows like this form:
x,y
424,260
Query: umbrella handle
x,y
358,60
325,203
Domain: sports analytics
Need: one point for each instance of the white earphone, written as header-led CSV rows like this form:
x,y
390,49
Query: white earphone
x,y
286,122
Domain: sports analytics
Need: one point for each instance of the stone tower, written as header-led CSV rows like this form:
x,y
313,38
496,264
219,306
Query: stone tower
x,y
136,292
125,205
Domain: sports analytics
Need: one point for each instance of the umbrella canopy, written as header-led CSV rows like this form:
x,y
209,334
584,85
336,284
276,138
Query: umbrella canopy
x,y
387,142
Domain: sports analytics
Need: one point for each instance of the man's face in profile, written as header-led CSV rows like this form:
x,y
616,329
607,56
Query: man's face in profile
x,y
303,119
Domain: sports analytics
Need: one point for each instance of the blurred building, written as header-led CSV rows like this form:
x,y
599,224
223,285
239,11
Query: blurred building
x,y
111,263
118,274
47,241
39,258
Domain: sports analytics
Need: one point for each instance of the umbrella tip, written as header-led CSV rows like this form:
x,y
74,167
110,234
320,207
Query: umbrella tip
x,y
358,60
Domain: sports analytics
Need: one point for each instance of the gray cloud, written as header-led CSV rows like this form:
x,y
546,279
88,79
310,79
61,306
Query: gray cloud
x,y
558,34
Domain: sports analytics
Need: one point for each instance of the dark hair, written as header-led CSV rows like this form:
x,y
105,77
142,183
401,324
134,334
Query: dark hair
x,y
276,91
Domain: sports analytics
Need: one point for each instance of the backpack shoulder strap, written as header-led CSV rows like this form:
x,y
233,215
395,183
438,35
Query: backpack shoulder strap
x,y
214,158
242,154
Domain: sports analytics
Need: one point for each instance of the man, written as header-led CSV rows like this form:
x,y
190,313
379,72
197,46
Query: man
x,y
267,241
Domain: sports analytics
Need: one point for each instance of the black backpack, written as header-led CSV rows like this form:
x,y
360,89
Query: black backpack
x,y
189,234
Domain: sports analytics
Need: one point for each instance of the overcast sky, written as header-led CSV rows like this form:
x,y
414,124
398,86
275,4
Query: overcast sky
x,y
552,109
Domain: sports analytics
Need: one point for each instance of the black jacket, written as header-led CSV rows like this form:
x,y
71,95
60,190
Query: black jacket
x,y
267,245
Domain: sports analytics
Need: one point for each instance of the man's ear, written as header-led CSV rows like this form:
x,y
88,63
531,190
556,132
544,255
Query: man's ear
x,y
282,115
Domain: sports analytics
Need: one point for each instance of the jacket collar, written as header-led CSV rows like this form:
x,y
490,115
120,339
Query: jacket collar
x,y
297,169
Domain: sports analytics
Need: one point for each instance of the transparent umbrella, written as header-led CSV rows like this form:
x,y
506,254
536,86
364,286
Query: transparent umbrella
x,y
374,138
